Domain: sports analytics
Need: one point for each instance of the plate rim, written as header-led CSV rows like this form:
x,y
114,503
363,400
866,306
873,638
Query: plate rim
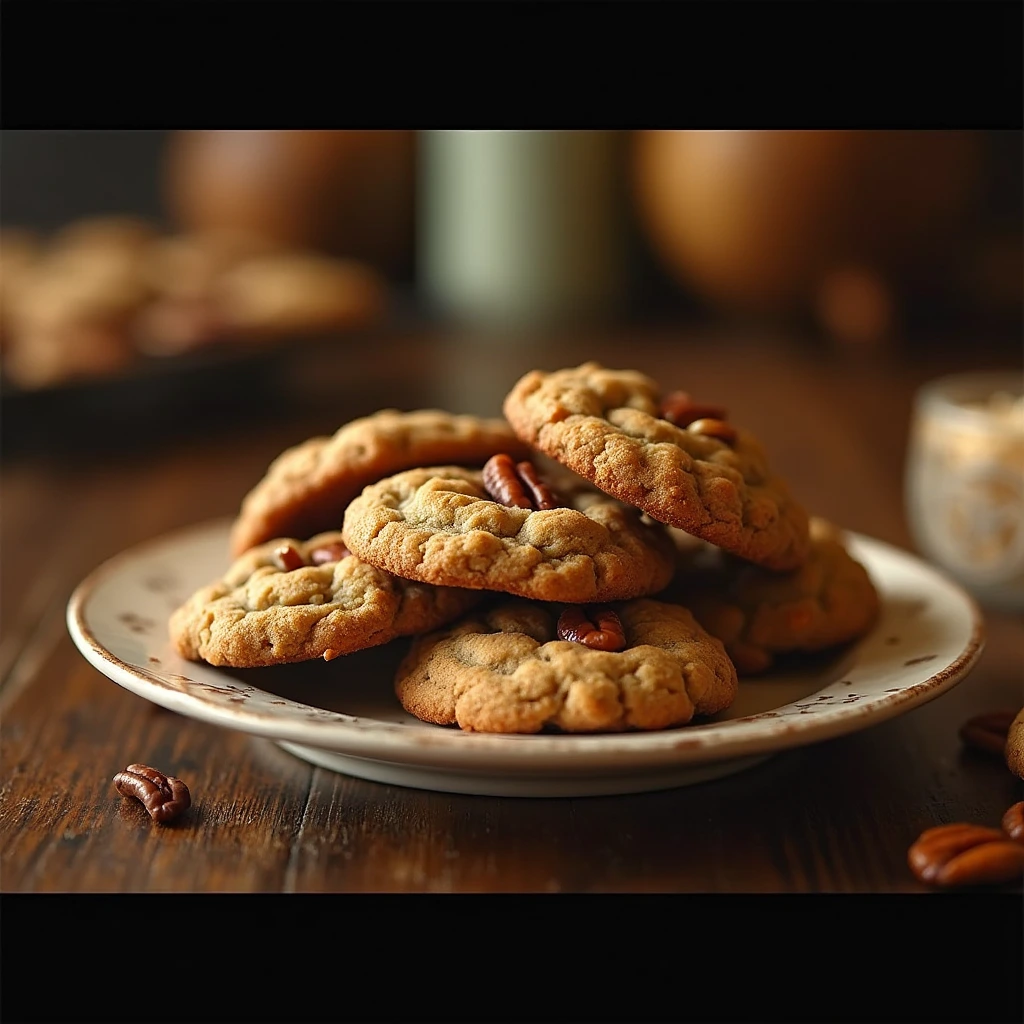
x,y
451,747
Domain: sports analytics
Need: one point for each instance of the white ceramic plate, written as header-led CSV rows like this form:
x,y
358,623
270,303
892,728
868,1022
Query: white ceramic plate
x,y
343,714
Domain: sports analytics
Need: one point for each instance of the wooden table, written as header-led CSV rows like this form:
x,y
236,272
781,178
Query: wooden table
x,y
836,817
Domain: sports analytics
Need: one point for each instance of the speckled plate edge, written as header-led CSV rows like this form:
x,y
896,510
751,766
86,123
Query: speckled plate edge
x,y
201,692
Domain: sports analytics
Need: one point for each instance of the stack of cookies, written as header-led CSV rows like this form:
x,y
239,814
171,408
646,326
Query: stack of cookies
x,y
605,557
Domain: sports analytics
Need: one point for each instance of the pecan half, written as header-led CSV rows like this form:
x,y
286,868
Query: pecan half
x,y
965,854
678,407
333,552
163,796
597,626
288,558
517,484
988,732
1013,822
718,429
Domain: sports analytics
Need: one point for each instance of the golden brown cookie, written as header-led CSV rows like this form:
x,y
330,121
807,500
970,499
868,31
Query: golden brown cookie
x,y
292,600
188,266
20,248
185,271
505,669
114,232
442,525
70,311
704,476
307,487
290,293
760,614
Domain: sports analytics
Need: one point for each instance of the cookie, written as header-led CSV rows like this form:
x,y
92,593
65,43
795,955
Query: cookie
x,y
299,292
292,600
188,266
65,353
19,250
306,488
90,235
185,271
506,670
759,614
701,475
70,314
442,525
1015,746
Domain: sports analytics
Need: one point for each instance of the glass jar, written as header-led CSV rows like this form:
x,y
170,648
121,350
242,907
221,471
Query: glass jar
x,y
965,482
521,227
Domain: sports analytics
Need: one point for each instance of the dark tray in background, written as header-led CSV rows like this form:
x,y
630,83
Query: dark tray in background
x,y
226,386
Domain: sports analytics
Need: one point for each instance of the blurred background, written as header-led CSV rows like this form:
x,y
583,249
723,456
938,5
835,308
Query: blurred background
x,y
166,293
176,257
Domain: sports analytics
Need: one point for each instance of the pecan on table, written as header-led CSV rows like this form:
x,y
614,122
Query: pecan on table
x,y
964,854
988,731
163,796
1013,822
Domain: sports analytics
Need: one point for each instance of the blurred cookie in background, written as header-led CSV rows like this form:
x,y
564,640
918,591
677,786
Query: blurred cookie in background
x,y
68,310
116,233
184,271
299,292
188,265
19,249
241,290
103,294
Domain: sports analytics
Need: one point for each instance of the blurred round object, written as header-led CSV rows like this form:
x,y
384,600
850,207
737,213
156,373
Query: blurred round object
x,y
94,265
346,192
115,232
298,293
755,220
62,289
19,250
68,311
186,266
173,324
19,247
65,352
855,307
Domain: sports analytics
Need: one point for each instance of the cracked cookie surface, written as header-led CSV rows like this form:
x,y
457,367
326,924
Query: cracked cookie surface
x,y
605,425
759,615
1014,751
262,614
503,669
306,488
440,525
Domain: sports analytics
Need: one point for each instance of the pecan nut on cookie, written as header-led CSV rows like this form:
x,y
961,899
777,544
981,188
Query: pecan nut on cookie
x,y
679,461
509,669
502,529
291,600
306,488
759,614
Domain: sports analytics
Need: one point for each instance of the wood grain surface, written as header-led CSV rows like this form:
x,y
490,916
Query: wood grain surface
x,y
835,817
